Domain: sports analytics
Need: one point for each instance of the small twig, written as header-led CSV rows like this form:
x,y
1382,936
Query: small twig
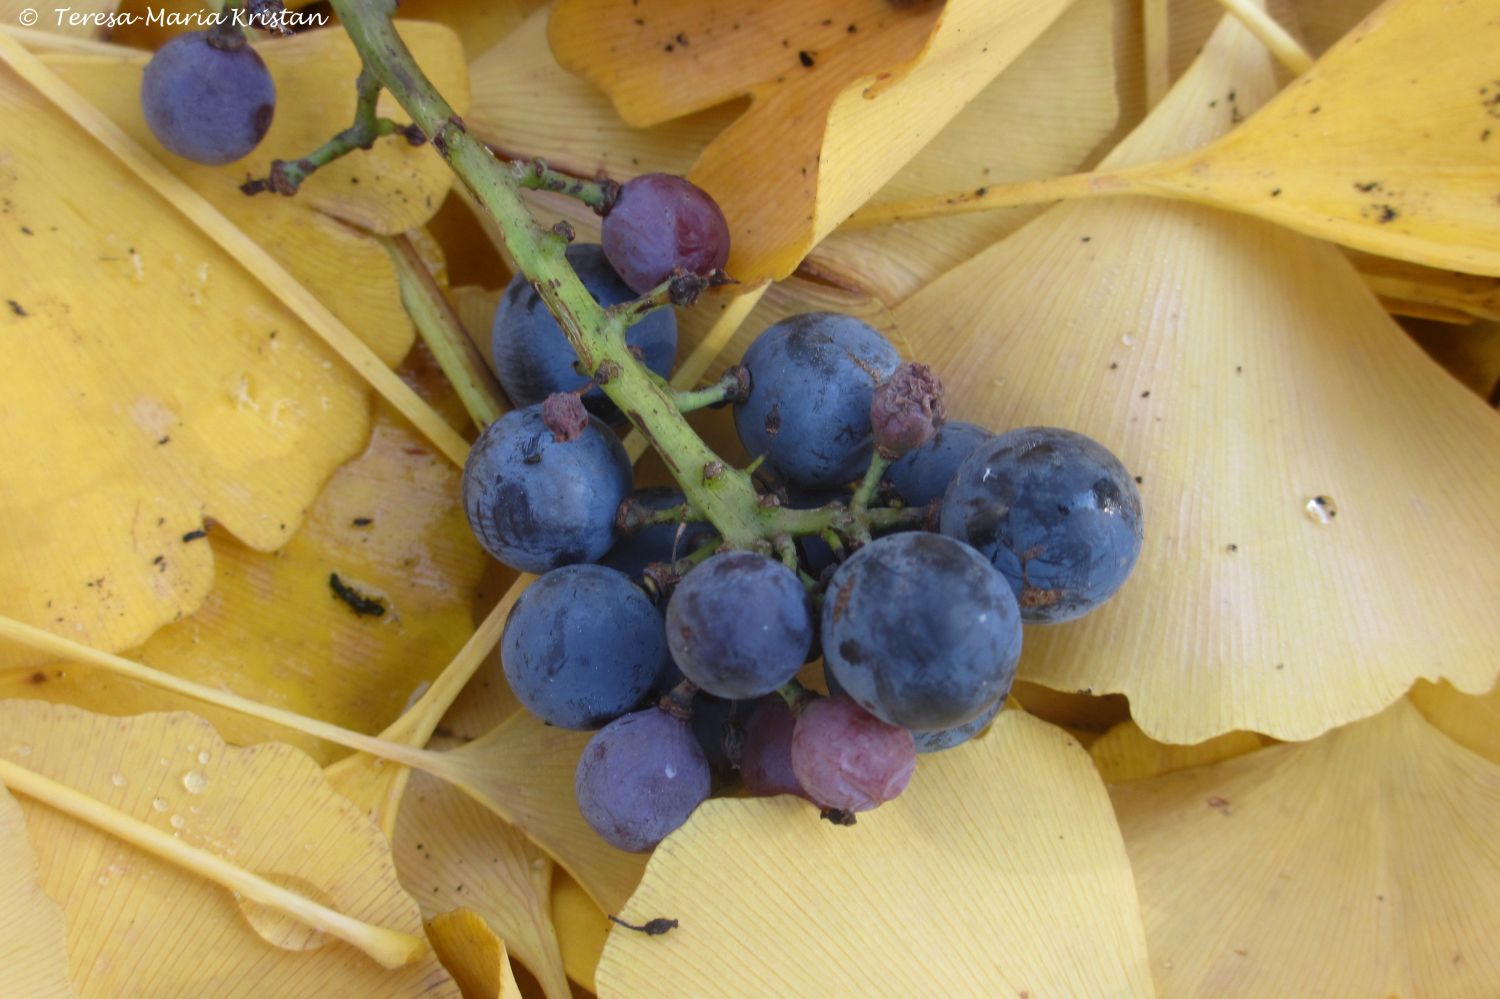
x,y
287,175
652,928
733,386
865,494
440,328
634,515
536,175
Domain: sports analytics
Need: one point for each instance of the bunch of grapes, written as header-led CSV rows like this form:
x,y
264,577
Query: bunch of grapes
x,y
925,547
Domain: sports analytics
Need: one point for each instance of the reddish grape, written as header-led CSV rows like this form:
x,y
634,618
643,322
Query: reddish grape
x,y
848,759
659,224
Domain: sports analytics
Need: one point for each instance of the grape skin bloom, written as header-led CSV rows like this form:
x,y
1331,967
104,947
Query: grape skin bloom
x,y
533,358
921,631
582,646
535,503
207,104
1055,512
639,778
812,378
739,626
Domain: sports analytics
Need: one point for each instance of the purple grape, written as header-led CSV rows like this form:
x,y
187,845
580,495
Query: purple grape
x,y
719,726
1055,512
536,503
582,646
848,759
639,778
766,753
205,103
921,631
660,224
739,625
534,359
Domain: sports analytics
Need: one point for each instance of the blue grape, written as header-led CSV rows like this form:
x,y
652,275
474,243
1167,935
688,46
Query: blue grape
x,y
766,752
719,726
937,740
656,542
661,224
536,503
1055,512
639,778
582,646
533,358
738,625
934,740
921,631
205,103
811,380
923,475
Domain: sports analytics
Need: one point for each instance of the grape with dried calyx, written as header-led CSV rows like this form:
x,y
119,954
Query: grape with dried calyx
x,y
660,225
536,502
208,97
1055,512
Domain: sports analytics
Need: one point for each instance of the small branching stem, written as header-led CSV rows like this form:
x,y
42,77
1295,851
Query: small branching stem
x,y
287,175
724,496
536,175
865,494
732,386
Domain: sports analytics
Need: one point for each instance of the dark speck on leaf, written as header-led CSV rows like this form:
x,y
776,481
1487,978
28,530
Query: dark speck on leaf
x,y
358,602
194,535
805,57
652,927
15,307
363,521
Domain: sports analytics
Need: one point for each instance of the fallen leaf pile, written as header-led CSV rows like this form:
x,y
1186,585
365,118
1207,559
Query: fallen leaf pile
x,y
1268,767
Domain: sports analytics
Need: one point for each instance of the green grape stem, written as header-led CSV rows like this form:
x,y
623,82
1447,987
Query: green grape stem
x,y
725,496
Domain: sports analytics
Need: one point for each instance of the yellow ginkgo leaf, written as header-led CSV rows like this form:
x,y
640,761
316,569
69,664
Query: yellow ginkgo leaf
x,y
33,935
526,105
1387,145
480,24
474,954
1469,353
151,383
453,854
1126,753
1470,720
1364,863
1402,286
140,926
1288,437
842,95
1010,131
581,929
999,871
362,606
